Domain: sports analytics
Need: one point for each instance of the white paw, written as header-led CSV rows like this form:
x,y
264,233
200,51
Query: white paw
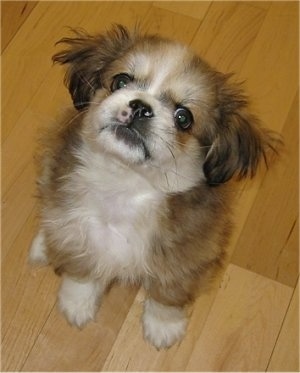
x,y
79,301
37,252
163,325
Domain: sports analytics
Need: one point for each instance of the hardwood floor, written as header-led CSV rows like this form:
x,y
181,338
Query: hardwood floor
x,y
249,323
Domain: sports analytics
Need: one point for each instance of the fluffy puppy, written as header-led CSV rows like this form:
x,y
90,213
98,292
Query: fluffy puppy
x,y
134,185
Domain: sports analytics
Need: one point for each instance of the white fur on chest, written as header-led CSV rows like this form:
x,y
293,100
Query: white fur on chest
x,y
120,231
115,214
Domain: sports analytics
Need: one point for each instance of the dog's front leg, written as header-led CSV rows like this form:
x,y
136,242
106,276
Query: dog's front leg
x,y
163,325
79,301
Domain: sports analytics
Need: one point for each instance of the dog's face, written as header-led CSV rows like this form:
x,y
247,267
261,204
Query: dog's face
x,y
148,109
152,101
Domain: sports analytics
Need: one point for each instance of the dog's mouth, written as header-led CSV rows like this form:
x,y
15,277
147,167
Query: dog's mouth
x,y
131,137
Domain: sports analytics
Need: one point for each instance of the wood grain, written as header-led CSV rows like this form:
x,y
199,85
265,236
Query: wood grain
x,y
13,15
285,357
249,326
84,349
193,9
268,243
251,322
224,39
271,70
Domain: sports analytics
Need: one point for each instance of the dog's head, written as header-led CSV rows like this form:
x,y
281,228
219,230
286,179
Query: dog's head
x,y
149,100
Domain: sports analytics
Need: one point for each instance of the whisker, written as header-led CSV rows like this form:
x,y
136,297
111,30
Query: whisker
x,y
84,80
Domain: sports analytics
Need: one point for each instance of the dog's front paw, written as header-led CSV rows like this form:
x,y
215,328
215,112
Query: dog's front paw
x,y
163,325
79,301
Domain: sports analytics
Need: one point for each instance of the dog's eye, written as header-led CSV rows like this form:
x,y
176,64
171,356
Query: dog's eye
x,y
120,81
183,118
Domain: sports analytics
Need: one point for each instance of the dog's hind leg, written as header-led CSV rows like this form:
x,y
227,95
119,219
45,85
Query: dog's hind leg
x,y
37,252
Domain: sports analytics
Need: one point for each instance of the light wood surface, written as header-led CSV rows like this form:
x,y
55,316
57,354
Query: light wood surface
x,y
250,322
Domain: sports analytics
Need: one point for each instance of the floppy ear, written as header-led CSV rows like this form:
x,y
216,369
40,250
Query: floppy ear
x,y
87,56
238,141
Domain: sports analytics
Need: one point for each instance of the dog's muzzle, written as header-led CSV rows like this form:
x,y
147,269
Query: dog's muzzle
x,y
134,124
137,110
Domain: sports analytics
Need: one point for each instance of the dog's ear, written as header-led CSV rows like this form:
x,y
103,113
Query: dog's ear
x,y
237,140
87,56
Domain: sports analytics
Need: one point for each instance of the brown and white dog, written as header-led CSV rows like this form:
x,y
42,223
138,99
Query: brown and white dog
x,y
134,185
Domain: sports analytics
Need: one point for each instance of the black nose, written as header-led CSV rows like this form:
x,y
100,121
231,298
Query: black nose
x,y
140,109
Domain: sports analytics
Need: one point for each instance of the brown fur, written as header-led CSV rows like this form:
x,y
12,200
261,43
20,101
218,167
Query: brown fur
x,y
193,254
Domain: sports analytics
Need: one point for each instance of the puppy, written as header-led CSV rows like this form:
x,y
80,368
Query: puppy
x,y
135,185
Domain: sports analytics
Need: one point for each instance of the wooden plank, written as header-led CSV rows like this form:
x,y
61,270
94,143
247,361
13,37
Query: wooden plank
x,y
262,4
45,109
28,298
13,15
285,357
193,9
268,244
272,68
227,34
165,23
243,324
59,347
16,207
